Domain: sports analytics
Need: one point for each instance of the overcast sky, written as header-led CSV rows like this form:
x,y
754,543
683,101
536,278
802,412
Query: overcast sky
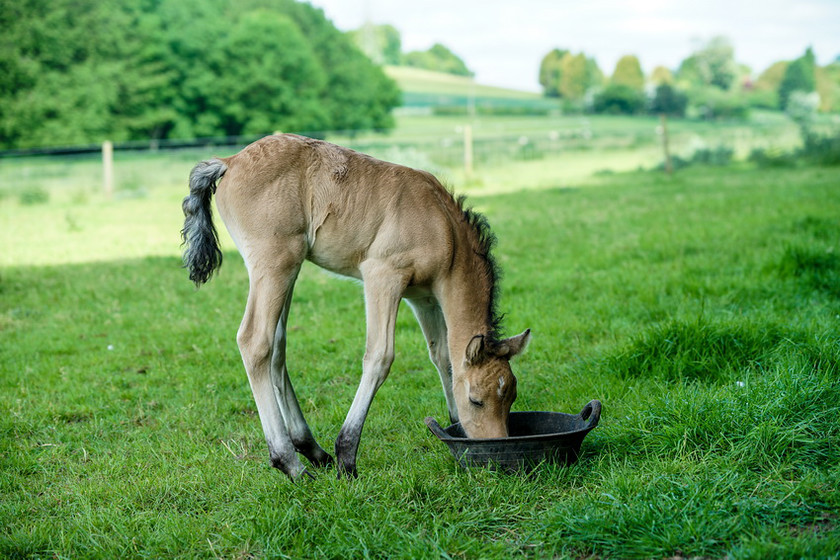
x,y
503,42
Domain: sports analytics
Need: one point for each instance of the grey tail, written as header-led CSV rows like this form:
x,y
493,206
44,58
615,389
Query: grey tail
x,y
202,255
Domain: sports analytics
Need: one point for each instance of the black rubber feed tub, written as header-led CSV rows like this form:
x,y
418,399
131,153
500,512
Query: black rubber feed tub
x,y
534,437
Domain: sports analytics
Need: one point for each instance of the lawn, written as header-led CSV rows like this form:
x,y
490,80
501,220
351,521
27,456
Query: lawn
x,y
701,309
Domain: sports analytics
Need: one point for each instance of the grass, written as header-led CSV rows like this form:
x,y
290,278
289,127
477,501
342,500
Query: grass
x,y
702,310
418,80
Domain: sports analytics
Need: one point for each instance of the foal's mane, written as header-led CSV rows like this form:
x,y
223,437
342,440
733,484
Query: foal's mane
x,y
483,241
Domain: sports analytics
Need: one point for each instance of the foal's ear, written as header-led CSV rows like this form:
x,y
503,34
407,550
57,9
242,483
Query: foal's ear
x,y
475,350
510,347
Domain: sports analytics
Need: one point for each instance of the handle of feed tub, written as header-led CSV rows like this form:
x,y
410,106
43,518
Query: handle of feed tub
x,y
591,411
435,428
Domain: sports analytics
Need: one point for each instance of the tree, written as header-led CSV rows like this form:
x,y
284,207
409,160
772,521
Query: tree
x,y
668,101
661,75
573,78
80,71
800,75
269,79
711,65
551,72
772,77
358,95
619,99
381,43
594,76
828,86
628,72
567,75
438,58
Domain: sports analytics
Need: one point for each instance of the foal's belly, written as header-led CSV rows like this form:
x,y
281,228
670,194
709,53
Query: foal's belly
x,y
336,264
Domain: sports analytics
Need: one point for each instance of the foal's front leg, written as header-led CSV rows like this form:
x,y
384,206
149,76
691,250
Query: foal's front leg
x,y
383,289
433,323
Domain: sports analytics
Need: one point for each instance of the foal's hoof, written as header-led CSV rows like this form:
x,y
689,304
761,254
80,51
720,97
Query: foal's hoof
x,y
321,461
293,469
347,471
303,476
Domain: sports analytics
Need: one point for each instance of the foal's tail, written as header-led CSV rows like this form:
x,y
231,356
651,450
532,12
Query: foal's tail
x,y
202,254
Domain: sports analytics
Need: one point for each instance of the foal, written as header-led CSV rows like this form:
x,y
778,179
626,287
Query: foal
x,y
286,199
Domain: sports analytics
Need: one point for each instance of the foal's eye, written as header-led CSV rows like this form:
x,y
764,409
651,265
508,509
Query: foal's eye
x,y
476,403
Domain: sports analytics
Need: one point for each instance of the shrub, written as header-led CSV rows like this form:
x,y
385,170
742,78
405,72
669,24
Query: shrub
x,y
619,100
713,157
720,156
712,103
816,150
768,158
763,99
822,150
33,195
669,101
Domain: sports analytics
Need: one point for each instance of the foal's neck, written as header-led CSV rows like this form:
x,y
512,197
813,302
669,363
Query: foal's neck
x,y
466,301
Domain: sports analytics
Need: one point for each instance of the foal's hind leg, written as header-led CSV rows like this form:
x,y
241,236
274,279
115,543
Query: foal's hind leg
x,y
271,282
432,322
296,425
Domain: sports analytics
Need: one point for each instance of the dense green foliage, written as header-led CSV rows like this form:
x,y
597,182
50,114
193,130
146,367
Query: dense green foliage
x,y
550,72
712,83
713,64
568,76
800,75
82,71
700,309
817,149
667,100
438,58
381,43
619,99
628,72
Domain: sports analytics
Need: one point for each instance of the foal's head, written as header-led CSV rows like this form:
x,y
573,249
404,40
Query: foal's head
x,y
488,386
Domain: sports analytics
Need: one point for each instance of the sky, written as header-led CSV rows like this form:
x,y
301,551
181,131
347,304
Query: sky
x,y
503,42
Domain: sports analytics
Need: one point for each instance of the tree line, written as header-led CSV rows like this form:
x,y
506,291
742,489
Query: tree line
x,y
383,45
80,71
707,84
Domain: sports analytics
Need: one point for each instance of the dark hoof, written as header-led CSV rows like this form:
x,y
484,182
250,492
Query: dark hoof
x,y
293,469
303,477
347,471
320,461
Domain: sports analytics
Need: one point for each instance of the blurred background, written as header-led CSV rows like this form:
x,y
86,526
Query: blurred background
x,y
106,101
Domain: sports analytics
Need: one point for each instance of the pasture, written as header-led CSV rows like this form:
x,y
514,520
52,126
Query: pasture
x,y
701,309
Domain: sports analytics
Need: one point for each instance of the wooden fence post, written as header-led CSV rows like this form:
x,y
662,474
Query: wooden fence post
x,y
669,165
468,151
108,168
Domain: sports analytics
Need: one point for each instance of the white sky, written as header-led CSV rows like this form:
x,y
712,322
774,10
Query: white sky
x,y
503,41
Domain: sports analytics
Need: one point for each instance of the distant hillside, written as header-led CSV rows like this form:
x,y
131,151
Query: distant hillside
x,y
448,93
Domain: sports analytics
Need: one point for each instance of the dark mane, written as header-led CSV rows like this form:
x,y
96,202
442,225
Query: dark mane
x,y
484,242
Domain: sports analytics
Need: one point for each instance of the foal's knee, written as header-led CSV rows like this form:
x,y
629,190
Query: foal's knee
x,y
379,360
438,353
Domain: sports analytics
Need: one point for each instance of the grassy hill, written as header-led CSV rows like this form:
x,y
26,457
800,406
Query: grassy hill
x,y
445,93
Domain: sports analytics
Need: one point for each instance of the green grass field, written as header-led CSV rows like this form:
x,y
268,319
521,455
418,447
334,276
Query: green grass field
x,y
701,309
418,80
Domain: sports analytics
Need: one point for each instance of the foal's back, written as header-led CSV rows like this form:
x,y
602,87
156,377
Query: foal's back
x,y
340,207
